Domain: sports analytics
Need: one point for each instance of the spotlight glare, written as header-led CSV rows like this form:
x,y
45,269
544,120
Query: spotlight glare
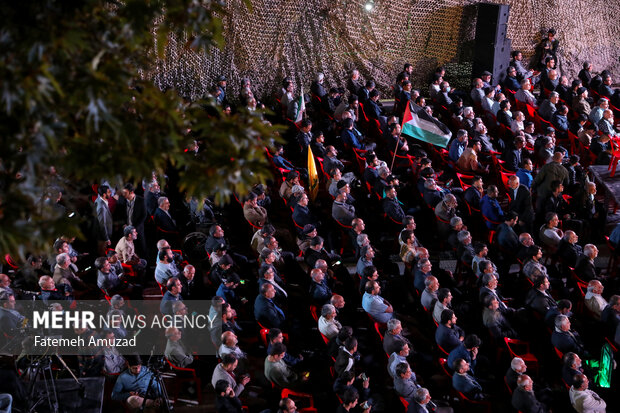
x,y
369,6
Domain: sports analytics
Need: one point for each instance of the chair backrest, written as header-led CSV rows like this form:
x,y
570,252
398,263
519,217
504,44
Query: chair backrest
x,y
507,386
314,314
443,362
263,335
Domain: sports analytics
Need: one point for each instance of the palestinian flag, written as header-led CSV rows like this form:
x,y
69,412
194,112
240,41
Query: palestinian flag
x,y
418,124
313,177
301,108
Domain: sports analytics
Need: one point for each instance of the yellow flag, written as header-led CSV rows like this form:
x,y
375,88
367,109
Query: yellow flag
x,y
313,177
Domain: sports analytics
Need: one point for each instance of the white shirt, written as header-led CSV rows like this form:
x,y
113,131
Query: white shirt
x,y
329,328
586,401
595,303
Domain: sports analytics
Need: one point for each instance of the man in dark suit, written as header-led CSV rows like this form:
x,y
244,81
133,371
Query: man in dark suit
x,y
538,299
507,238
173,293
422,403
473,194
585,268
104,219
565,340
514,155
516,369
490,207
523,398
448,334
391,205
464,382
569,250
131,210
162,216
521,203
432,194
363,93
611,314
265,311
571,367
151,196
345,361
372,109
393,336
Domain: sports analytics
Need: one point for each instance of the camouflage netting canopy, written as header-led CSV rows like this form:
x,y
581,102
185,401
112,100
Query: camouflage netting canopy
x,y
299,38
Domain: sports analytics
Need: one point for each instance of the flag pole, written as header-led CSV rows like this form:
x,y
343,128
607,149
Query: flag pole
x,y
395,149
394,157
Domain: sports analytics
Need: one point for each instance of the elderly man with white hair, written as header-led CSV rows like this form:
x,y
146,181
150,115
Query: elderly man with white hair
x,y
564,339
445,210
422,403
317,87
429,295
162,217
593,299
516,369
548,108
328,325
393,336
229,345
64,275
523,398
585,268
525,95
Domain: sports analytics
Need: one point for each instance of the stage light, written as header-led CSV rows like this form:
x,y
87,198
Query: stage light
x,y
370,4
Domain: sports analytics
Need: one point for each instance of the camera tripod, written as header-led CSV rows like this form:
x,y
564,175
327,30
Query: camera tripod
x,y
43,367
166,406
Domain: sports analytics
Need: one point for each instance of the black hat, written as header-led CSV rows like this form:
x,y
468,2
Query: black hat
x,y
341,184
486,73
221,78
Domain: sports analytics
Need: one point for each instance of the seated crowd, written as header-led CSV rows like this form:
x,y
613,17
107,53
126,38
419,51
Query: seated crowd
x,y
454,255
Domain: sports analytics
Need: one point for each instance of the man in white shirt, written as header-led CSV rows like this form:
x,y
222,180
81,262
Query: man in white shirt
x,y
328,325
584,400
593,299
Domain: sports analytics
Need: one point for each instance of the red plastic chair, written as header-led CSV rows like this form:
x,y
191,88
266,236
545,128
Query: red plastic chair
x,y
471,404
360,158
444,366
306,398
107,297
185,375
530,359
441,348
612,267
507,386
378,330
263,335
615,156
313,313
